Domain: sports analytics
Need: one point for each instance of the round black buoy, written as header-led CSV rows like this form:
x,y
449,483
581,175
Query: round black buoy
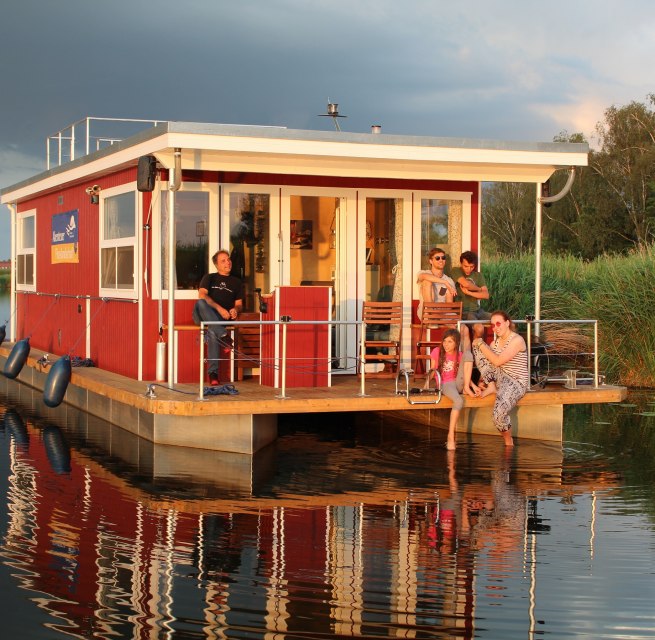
x,y
16,427
56,449
3,333
57,381
17,358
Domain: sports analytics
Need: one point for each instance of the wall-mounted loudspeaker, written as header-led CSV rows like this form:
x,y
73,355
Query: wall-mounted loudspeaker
x,y
146,173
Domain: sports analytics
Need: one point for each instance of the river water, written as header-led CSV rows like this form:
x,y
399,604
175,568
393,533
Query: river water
x,y
346,526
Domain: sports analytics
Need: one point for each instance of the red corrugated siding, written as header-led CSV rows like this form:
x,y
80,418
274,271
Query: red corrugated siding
x,y
56,325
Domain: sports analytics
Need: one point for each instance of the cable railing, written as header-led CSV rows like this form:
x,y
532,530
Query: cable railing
x,y
538,349
570,379
283,355
78,139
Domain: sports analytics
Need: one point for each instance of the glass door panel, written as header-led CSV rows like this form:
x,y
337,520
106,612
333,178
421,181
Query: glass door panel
x,y
249,224
383,248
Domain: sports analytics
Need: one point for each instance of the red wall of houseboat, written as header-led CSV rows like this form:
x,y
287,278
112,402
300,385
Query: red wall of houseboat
x,y
58,325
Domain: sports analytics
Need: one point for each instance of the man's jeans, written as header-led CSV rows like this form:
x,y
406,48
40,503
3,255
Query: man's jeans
x,y
202,312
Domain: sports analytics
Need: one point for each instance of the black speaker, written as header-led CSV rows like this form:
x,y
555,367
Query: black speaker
x,y
146,173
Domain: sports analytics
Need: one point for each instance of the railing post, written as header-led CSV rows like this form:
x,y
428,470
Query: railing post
x,y
201,384
283,373
362,359
595,354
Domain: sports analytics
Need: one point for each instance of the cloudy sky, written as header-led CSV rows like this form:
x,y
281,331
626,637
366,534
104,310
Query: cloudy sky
x,y
511,69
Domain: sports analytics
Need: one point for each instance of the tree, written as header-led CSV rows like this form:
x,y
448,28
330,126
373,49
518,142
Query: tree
x,y
508,218
626,166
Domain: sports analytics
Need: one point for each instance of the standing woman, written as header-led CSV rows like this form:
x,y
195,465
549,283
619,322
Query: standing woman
x,y
503,366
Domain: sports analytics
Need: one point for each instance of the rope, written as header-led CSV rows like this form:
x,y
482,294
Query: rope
x,y
45,313
93,317
44,361
76,361
222,390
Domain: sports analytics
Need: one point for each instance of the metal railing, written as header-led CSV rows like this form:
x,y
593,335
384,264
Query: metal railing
x,y
79,140
285,324
570,380
361,358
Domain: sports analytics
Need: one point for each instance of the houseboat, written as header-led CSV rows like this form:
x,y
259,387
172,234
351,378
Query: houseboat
x,y
111,241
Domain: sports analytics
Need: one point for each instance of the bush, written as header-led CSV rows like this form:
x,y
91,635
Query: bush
x,y
616,290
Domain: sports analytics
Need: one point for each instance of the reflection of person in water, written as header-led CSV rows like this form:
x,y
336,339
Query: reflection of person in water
x,y
498,520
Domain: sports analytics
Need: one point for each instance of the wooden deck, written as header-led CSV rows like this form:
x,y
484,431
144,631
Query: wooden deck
x,y
254,398
248,421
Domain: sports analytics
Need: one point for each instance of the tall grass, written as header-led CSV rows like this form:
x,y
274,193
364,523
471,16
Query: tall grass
x,y
616,290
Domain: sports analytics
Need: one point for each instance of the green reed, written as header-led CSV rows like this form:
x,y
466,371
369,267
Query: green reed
x,y
615,290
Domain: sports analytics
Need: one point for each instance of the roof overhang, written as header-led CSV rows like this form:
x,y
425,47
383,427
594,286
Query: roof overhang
x,y
215,147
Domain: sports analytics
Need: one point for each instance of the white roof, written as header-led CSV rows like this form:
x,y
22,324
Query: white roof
x,y
213,147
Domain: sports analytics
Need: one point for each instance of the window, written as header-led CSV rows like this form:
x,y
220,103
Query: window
x,y
249,243
118,241
434,227
26,251
191,238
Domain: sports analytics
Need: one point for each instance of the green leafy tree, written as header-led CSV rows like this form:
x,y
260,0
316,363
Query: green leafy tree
x,y
626,165
508,218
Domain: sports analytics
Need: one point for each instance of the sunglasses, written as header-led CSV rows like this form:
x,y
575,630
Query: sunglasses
x,y
439,258
497,324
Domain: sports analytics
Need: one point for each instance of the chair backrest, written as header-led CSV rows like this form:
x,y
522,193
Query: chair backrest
x,y
441,314
247,342
390,313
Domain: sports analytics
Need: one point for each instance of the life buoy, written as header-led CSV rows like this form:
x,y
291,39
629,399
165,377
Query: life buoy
x,y
17,358
57,382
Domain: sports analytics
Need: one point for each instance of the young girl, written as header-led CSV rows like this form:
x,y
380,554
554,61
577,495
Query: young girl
x,y
455,368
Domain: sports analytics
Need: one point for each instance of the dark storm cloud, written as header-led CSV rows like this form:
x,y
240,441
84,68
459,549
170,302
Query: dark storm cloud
x,y
423,67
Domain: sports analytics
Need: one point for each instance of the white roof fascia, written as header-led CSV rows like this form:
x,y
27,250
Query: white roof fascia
x,y
279,150
86,170
319,148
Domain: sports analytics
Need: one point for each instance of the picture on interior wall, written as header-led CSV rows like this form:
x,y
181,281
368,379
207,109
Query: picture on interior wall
x,y
301,234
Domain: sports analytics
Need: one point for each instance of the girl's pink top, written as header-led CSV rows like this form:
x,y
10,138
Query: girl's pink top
x,y
450,364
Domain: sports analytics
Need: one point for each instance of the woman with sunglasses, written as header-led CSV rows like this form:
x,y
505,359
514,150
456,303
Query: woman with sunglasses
x,y
503,366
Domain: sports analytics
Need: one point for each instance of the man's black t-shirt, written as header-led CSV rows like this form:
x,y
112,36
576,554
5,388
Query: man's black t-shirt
x,y
224,290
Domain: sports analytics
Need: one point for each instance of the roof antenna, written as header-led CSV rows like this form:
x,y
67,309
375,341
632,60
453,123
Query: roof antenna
x,y
333,112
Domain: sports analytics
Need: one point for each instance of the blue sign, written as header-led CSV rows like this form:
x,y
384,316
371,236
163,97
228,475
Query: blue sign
x,y
63,244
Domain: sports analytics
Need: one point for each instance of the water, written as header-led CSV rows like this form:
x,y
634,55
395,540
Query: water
x,y
5,306
344,527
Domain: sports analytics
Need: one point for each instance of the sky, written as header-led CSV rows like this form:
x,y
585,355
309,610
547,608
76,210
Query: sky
x,y
505,70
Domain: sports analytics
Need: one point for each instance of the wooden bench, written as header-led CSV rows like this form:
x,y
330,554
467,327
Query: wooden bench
x,y
244,356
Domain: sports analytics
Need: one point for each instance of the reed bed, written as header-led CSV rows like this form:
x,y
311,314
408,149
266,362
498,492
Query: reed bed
x,y
615,290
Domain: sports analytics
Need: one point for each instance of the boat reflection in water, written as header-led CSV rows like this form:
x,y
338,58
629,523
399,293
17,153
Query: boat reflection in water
x,y
370,529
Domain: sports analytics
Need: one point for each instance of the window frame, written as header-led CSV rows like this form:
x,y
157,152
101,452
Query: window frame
x,y
159,242
126,241
22,251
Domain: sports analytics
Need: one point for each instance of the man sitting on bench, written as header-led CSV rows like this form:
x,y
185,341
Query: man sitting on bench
x,y
220,298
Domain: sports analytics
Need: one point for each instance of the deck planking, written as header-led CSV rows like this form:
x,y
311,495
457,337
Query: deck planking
x,y
254,399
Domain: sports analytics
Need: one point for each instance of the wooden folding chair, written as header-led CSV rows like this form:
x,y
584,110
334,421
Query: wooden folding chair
x,y
383,327
435,319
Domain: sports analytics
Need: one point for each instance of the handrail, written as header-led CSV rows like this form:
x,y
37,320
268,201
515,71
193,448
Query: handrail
x,y
76,296
541,321
68,135
285,323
